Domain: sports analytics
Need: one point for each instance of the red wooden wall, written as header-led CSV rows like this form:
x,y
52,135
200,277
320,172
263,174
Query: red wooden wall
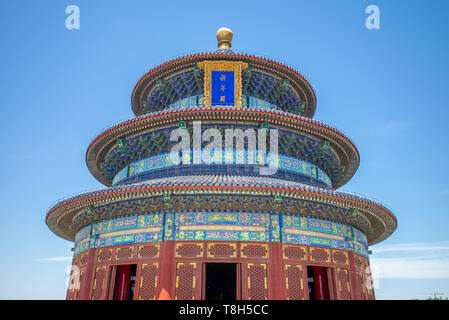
x,y
266,270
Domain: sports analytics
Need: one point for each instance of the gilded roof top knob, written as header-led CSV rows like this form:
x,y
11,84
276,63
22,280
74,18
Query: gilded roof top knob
x,y
224,37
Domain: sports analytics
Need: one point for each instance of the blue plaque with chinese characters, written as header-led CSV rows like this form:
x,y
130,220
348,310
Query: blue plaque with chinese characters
x,y
222,88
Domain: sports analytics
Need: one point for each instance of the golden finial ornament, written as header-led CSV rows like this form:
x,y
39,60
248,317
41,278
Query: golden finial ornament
x,y
224,37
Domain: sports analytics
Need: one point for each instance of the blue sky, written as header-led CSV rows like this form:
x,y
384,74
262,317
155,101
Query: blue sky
x,y
387,89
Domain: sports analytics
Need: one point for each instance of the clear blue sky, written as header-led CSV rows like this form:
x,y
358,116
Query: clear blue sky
x,y
387,89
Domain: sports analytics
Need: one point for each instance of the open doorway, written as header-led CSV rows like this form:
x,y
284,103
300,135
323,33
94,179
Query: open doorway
x,y
318,283
125,280
221,281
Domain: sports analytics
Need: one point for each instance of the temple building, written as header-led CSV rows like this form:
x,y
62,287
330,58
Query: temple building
x,y
222,187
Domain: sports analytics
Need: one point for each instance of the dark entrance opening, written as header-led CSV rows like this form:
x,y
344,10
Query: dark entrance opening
x,y
221,281
317,283
125,280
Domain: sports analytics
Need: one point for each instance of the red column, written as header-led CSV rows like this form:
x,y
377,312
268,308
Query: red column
x,y
167,269
320,287
122,282
276,278
86,286
354,281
